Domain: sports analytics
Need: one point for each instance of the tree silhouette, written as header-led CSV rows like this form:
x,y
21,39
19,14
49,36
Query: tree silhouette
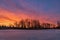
x,y
35,24
27,23
46,25
16,24
58,24
22,23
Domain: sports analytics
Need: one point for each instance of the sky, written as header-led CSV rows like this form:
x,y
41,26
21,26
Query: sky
x,y
47,11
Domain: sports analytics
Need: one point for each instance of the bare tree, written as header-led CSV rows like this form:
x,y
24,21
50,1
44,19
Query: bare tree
x,y
27,23
58,24
15,24
22,23
36,23
46,25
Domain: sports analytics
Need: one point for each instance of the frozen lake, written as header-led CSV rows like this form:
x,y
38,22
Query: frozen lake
x,y
29,34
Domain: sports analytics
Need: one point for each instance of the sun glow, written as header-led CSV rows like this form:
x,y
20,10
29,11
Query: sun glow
x,y
8,17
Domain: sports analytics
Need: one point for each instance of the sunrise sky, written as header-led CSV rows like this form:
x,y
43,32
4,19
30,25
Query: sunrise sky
x,y
15,10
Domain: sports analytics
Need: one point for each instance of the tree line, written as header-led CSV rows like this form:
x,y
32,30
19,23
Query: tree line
x,y
31,24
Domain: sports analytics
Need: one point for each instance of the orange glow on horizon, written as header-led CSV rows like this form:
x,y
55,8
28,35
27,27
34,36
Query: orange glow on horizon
x,y
8,17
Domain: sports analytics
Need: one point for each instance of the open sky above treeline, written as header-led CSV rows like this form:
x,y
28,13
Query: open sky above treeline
x,y
47,11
